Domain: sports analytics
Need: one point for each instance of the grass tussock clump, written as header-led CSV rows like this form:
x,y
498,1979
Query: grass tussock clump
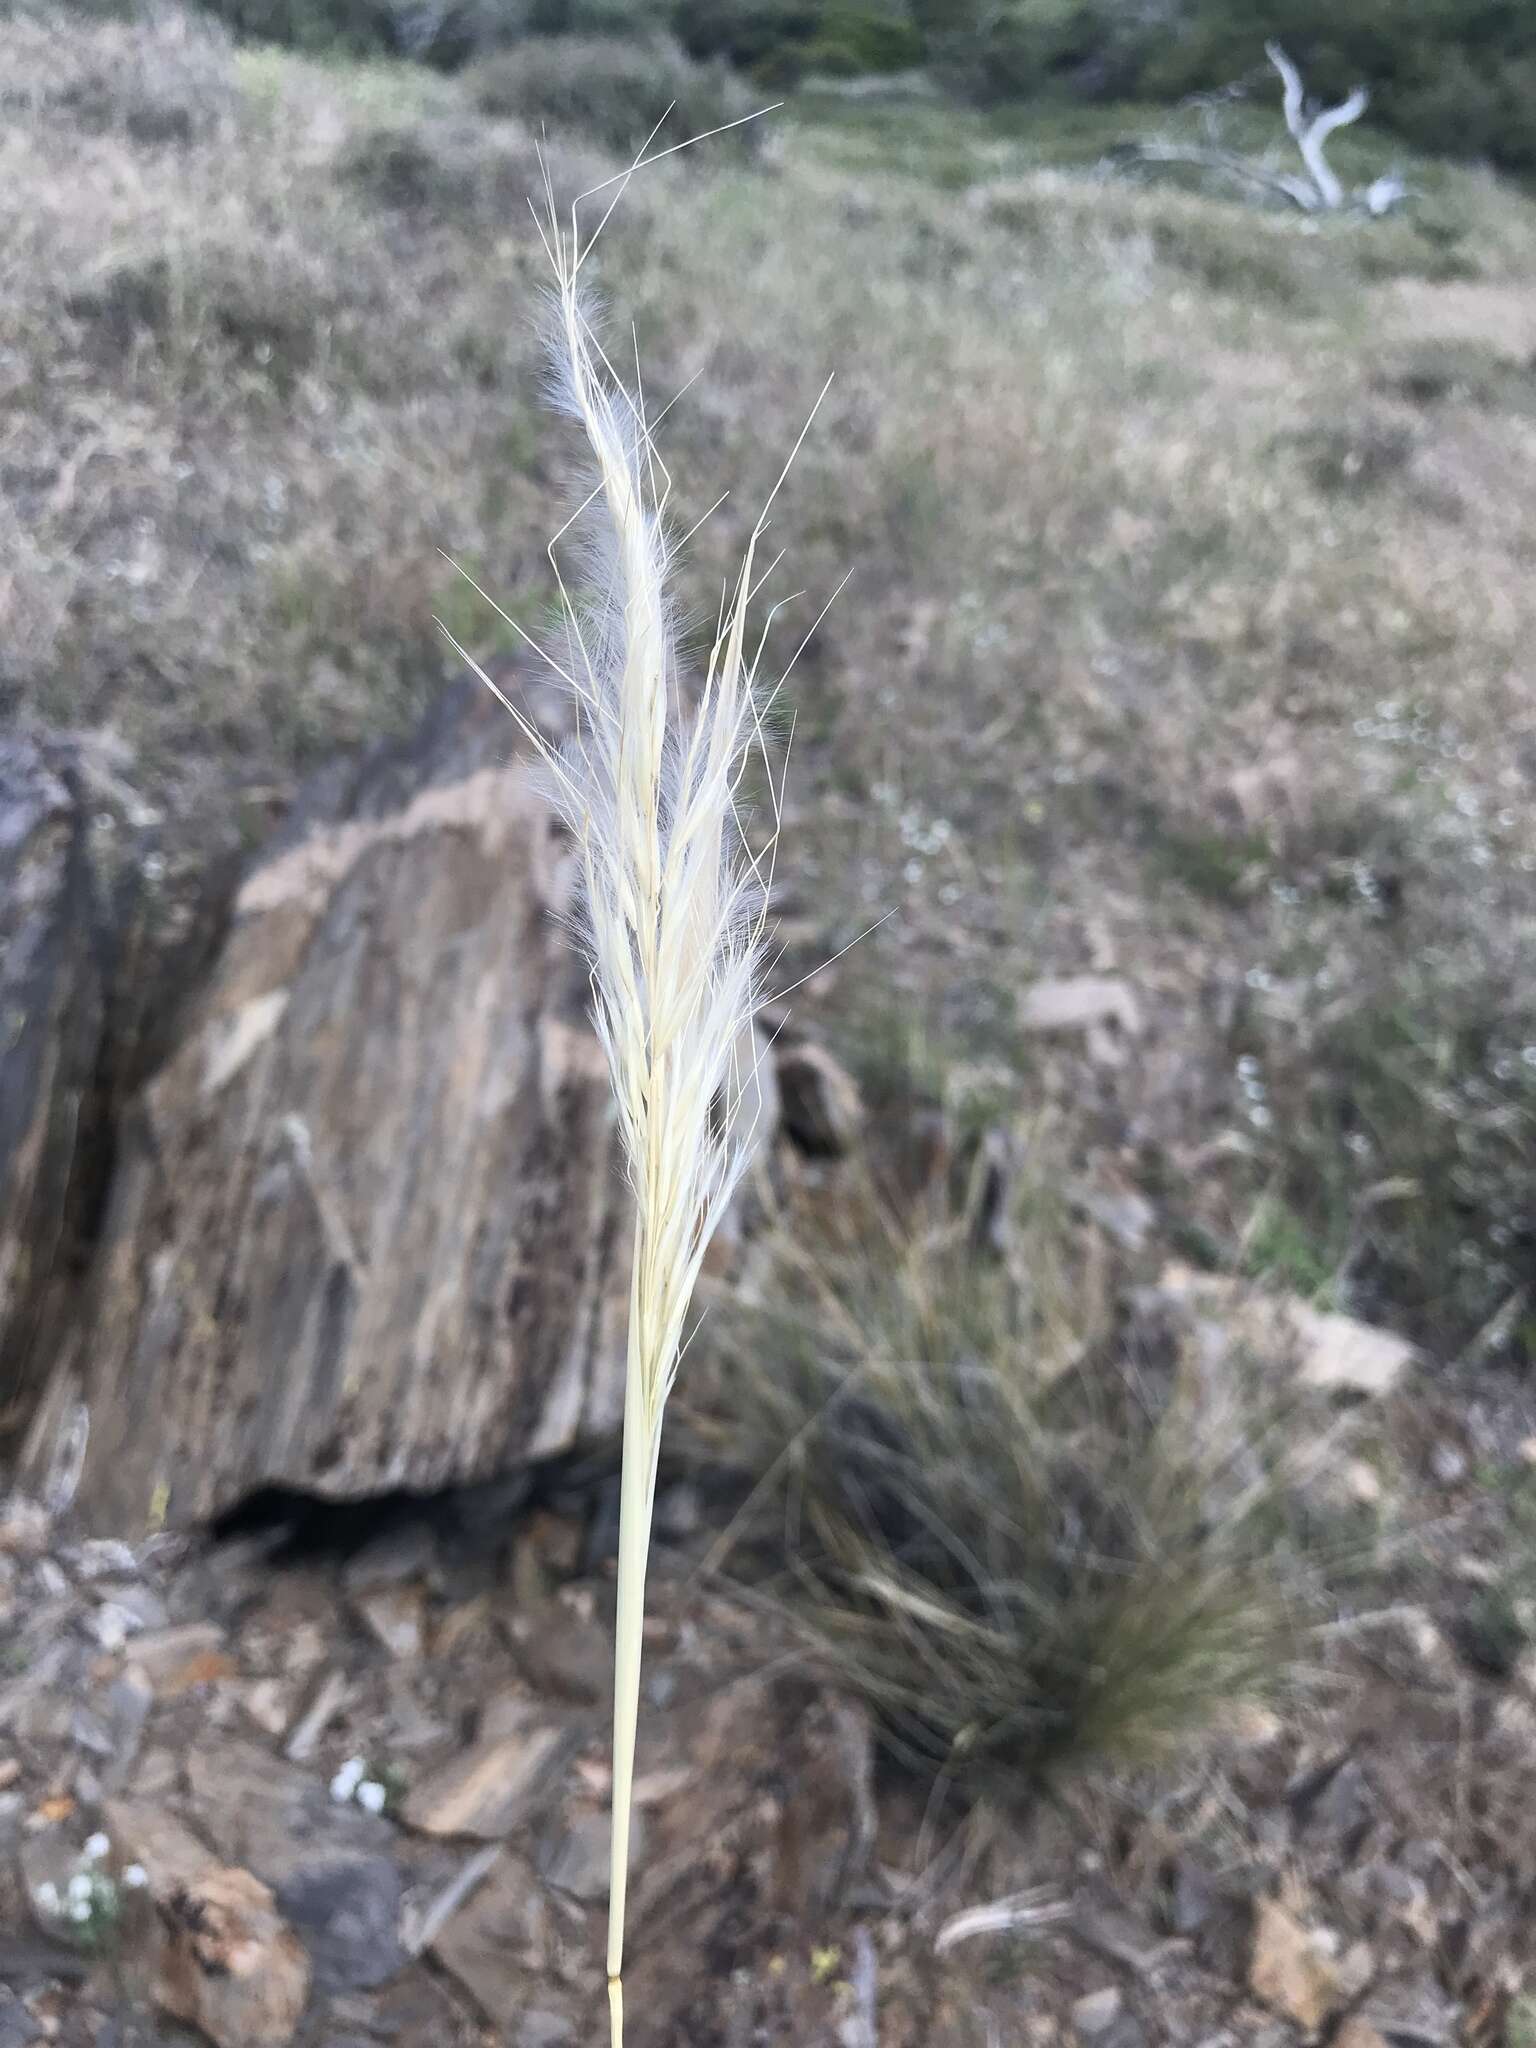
x,y
1016,1572
616,92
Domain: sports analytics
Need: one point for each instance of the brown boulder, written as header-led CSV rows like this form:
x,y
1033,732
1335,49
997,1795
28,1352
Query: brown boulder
x,y
368,1225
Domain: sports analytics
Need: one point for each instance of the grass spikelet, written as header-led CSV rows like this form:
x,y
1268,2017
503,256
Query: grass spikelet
x,y
673,905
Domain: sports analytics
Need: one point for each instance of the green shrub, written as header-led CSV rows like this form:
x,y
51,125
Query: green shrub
x,y
779,41
443,33
851,42
615,92
761,36
594,17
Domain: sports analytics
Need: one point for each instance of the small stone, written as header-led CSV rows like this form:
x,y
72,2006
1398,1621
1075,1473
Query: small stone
x,y
539,2029
395,1617
577,1861
556,1539
10,1771
497,1944
305,1646
1079,1003
1121,1213
1099,1923
1341,1355
1094,2015
267,1705
1252,1725
562,1656
149,1611
1359,2033
52,1582
88,1731
1448,1463
112,1624
346,1909
176,1659
1334,1353
1357,1967
17,2027
1101,2020
230,1966
1336,1798
820,1110
1362,1483
129,1699
1427,1642
101,1557
1292,1969
25,1527
330,1697
169,1854
1194,1898
495,1785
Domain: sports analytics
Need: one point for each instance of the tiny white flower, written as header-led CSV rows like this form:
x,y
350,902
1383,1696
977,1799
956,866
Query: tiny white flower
x,y
47,1896
80,1912
135,1877
80,1886
347,1779
97,1846
372,1796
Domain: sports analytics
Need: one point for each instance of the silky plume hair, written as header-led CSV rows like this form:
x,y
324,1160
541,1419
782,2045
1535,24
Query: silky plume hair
x,y
672,919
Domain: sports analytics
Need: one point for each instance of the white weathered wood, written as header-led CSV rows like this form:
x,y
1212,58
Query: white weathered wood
x,y
1317,189
1311,131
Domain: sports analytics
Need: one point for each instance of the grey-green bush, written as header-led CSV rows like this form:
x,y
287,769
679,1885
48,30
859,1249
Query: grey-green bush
x,y
613,91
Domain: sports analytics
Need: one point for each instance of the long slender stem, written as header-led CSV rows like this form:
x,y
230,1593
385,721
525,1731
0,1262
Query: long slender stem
x,y
636,1494
674,911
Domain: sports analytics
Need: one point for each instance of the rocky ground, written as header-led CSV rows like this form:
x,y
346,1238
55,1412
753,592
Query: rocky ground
x,y
345,1783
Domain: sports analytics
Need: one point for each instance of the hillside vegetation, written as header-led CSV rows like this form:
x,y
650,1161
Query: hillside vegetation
x,y
1447,76
1190,630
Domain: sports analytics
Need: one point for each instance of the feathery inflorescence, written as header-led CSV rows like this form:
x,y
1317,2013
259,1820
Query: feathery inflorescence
x,y
674,905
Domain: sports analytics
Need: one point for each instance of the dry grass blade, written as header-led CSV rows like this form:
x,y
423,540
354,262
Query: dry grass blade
x,y
1039,1907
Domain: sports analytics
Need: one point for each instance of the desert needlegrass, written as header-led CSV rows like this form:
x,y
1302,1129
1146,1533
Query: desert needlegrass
x,y
1021,1565
674,906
